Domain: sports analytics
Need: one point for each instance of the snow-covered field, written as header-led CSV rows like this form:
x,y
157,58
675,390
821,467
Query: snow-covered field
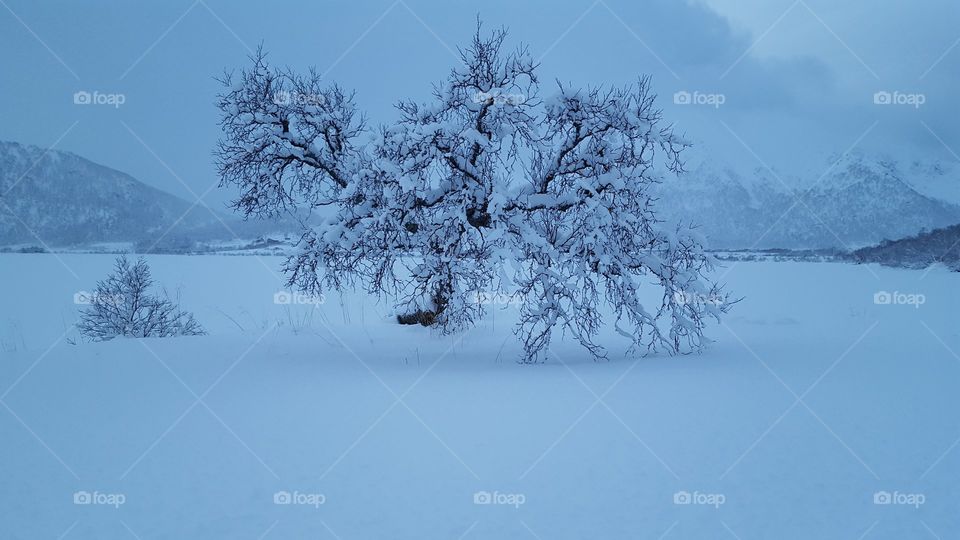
x,y
817,413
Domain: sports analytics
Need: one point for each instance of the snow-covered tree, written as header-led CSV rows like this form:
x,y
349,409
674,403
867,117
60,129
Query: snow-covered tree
x,y
433,209
122,306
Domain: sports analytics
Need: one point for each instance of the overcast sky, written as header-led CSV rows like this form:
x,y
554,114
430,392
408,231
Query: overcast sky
x,y
783,83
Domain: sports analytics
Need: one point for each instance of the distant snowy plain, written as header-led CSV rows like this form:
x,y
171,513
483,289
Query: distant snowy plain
x,y
820,411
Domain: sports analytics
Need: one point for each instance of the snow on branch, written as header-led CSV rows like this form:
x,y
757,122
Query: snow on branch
x,y
432,208
123,306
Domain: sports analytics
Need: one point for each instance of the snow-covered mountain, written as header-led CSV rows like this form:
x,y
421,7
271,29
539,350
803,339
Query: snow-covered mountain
x,y
61,199
861,200
937,179
66,200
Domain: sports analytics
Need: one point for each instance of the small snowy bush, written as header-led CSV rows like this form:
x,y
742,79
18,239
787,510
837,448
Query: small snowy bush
x,y
433,209
122,306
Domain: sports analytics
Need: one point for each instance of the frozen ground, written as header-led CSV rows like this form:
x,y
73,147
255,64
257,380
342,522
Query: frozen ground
x,y
812,400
